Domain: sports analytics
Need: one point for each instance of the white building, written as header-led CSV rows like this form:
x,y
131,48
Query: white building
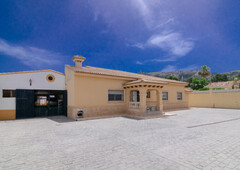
x,y
32,94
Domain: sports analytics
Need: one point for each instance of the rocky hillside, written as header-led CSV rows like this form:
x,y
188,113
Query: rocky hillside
x,y
184,75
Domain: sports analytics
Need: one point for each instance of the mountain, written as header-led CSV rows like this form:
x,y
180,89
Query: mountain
x,y
184,75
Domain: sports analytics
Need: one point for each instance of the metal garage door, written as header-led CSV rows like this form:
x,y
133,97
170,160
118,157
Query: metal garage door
x,y
40,103
24,104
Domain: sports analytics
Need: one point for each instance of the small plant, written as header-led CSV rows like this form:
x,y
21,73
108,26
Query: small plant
x,y
218,88
204,89
232,86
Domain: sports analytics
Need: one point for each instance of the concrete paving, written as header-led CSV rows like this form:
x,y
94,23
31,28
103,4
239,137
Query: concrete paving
x,y
198,138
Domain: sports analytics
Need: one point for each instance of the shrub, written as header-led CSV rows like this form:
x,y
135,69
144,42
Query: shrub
x,y
204,89
218,88
198,84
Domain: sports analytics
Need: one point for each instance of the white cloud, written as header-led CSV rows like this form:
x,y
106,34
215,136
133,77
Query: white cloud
x,y
172,42
170,68
144,10
158,18
170,20
158,60
191,67
172,58
139,63
138,45
30,56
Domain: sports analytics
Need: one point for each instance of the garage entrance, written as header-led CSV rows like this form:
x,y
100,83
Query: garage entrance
x,y
40,103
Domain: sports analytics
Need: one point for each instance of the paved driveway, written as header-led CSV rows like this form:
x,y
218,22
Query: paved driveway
x,y
192,139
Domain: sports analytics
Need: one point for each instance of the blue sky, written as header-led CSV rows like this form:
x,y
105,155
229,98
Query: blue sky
x,y
129,35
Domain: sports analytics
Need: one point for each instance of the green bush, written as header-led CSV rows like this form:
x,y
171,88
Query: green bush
x,y
204,89
172,78
218,88
198,84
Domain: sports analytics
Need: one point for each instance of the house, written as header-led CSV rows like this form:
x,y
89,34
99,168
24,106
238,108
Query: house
x,y
85,92
96,92
224,85
32,94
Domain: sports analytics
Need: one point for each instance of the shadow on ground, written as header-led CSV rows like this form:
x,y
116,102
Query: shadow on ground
x,y
61,119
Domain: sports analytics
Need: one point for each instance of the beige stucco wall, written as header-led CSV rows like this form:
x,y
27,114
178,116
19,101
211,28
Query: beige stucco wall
x,y
90,92
172,102
217,99
152,101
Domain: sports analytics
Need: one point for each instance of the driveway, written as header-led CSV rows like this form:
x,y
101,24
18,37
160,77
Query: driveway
x,y
198,138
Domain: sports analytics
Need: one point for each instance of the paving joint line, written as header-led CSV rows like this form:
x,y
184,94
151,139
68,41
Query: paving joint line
x,y
213,123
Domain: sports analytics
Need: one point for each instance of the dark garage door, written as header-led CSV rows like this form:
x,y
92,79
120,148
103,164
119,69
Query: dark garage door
x,y
40,103
24,104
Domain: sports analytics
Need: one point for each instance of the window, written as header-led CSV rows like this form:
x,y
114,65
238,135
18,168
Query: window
x,y
50,78
41,101
115,95
179,95
134,96
165,95
9,93
148,94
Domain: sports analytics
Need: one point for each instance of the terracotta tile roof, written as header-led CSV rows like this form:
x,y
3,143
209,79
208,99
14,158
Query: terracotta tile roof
x,y
103,71
145,81
220,84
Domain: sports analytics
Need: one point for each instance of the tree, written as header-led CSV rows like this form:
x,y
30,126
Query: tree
x,y
220,77
204,72
189,80
172,78
238,76
198,84
233,78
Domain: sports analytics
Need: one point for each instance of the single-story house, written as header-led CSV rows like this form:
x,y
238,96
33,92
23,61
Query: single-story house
x,y
96,92
84,92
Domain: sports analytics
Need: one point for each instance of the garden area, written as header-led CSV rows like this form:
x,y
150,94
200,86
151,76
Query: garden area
x,y
204,78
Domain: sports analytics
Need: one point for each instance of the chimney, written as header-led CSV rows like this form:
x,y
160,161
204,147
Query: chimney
x,y
78,60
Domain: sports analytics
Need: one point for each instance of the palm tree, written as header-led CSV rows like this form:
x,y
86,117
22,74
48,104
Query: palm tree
x,y
204,72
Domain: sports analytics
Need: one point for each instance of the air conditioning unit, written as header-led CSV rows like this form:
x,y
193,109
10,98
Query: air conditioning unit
x,y
80,112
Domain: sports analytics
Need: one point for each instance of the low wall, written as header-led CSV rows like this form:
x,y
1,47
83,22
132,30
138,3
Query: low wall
x,y
215,99
175,106
98,111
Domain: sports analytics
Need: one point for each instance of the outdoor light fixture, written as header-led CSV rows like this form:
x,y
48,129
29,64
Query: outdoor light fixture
x,y
30,81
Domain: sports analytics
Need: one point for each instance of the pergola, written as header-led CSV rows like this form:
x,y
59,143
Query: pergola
x,y
142,86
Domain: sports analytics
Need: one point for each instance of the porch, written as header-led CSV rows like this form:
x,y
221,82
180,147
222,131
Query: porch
x,y
144,97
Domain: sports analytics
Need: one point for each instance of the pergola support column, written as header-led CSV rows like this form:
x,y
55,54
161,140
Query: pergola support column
x,y
143,101
159,100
